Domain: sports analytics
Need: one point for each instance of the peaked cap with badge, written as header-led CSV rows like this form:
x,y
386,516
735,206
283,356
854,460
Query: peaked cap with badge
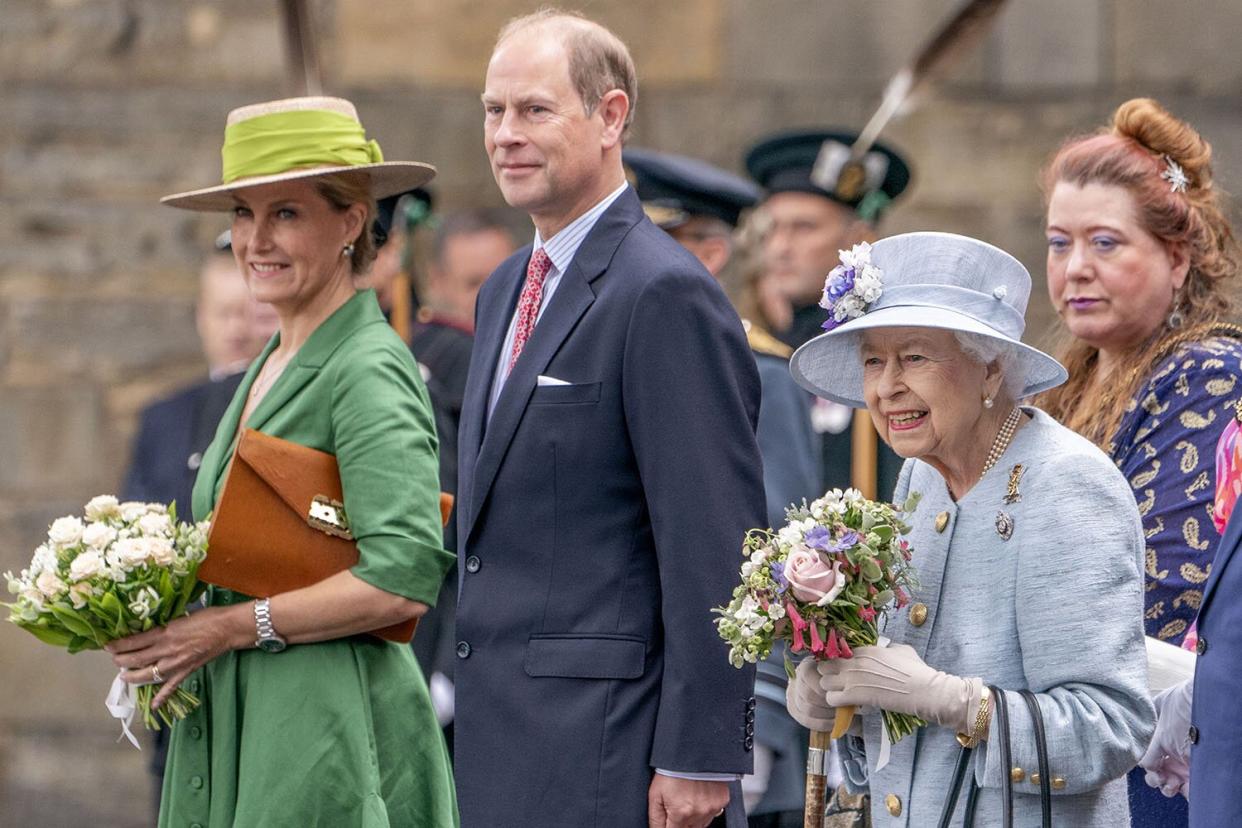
x,y
675,188
786,162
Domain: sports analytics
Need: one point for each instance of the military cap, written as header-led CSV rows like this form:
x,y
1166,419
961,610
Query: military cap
x,y
674,188
416,211
784,163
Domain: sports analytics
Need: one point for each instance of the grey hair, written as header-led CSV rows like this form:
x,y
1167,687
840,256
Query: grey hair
x,y
985,350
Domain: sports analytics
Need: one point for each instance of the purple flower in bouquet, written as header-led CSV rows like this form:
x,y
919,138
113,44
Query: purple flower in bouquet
x,y
819,537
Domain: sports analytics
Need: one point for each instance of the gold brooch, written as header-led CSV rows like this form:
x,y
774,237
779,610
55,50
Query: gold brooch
x,y
1012,495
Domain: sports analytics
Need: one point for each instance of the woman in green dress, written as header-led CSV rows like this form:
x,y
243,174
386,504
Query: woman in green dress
x,y
337,729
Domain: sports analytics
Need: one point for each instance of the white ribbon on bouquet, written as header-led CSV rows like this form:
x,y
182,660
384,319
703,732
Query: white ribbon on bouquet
x,y
122,704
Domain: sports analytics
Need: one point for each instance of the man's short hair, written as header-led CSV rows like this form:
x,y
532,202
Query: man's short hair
x,y
467,223
599,61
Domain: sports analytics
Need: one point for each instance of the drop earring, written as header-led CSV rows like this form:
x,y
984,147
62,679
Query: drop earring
x,y
348,251
987,402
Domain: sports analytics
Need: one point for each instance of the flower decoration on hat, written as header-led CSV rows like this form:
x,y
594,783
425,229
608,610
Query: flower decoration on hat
x,y
851,287
1175,175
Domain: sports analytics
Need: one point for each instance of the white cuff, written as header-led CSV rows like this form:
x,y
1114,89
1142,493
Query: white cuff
x,y
700,777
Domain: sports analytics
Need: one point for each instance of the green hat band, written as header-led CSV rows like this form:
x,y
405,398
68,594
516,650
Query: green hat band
x,y
283,141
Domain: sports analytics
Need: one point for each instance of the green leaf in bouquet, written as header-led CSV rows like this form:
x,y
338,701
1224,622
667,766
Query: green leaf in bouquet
x,y
790,669
79,643
912,502
72,621
46,634
884,598
870,569
884,533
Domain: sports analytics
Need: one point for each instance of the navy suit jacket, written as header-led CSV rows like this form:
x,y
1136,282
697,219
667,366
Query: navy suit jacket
x,y
598,524
1215,793
172,436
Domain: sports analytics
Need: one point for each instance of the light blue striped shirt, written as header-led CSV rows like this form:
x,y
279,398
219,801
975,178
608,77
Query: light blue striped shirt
x,y
561,250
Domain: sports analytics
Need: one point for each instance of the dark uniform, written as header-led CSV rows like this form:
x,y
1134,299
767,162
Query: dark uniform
x,y
675,189
784,163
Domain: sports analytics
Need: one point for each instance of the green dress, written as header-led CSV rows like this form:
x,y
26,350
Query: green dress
x,y
338,733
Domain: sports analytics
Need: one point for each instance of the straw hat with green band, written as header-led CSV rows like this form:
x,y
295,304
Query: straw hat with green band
x,y
299,138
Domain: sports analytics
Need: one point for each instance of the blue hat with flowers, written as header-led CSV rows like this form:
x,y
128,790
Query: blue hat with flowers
x,y
920,280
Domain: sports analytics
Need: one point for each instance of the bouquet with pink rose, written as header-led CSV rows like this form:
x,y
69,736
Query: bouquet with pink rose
x,y
821,583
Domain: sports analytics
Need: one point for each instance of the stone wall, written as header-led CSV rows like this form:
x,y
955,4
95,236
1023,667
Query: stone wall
x,y
108,104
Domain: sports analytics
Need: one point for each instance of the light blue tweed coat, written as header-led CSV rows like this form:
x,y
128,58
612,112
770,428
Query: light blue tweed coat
x,y
1057,608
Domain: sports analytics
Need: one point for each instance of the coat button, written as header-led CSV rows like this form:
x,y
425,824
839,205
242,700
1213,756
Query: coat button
x,y
473,563
1193,735
196,732
918,614
1058,783
1034,778
749,742
196,825
942,520
196,781
463,649
194,461
893,803
1017,774
1201,645
193,685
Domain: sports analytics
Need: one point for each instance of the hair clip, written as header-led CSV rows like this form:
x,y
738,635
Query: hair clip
x,y
1175,175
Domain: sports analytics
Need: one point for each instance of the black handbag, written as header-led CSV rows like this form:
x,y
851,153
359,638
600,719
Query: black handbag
x,y
1001,730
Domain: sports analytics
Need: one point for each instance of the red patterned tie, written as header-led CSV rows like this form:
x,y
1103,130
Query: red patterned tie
x,y
528,303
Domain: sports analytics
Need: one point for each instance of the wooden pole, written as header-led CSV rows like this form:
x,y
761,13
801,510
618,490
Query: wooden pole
x,y
301,49
816,780
863,455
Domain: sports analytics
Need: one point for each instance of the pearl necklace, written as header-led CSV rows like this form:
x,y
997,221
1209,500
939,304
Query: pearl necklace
x,y
1003,438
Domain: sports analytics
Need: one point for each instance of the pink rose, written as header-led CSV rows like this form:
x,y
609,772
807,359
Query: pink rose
x,y
813,580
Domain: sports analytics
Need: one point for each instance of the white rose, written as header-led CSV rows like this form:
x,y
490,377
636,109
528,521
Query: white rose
x,y
78,594
155,525
98,535
49,584
44,558
127,553
102,507
87,565
131,510
65,531
161,551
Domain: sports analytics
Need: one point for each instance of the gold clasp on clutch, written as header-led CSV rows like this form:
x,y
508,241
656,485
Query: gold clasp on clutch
x,y
328,516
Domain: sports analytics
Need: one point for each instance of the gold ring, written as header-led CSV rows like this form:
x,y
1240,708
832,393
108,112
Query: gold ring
x,y
155,674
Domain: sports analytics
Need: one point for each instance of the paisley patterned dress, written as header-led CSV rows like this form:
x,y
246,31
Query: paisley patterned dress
x,y
1166,448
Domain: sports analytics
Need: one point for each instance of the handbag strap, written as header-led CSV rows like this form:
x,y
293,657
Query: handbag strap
x,y
1041,750
1002,720
955,787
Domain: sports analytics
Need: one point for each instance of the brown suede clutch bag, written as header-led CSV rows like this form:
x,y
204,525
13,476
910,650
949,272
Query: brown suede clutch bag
x,y
281,525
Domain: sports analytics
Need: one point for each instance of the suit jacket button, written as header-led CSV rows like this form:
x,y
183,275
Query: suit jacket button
x,y
473,563
750,716
463,649
1193,735
750,703
749,742
750,728
1201,645
942,520
893,803
918,614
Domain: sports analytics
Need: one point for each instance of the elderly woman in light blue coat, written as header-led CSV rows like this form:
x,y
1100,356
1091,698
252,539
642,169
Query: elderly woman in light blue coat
x,y
1027,543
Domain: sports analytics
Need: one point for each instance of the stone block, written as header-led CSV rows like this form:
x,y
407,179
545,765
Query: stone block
x,y
104,336
378,42
123,41
1182,48
1053,44
843,44
48,438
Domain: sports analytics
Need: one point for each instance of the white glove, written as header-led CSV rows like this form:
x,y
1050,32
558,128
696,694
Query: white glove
x,y
805,701
1167,760
894,678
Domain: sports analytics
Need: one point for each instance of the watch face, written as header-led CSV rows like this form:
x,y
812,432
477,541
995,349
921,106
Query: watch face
x,y
271,645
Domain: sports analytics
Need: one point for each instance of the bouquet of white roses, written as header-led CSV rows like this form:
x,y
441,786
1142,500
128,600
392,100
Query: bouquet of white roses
x,y
127,568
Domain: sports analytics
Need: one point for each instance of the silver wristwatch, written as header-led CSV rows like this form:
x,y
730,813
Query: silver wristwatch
x,y
269,641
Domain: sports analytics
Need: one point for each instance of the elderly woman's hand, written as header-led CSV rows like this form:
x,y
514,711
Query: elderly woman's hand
x,y
895,678
805,700
167,655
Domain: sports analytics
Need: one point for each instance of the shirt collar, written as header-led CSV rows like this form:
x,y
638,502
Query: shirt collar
x,y
562,246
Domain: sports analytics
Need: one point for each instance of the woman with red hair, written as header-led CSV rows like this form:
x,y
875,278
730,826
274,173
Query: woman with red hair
x,y
1140,266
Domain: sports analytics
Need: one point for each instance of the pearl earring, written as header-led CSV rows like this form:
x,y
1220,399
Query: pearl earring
x,y
987,402
348,251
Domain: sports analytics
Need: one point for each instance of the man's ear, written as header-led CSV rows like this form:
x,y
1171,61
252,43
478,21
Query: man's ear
x,y
613,109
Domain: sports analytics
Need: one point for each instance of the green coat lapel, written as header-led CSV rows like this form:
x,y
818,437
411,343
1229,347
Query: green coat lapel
x,y
362,309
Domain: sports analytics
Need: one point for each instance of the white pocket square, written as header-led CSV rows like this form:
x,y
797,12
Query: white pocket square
x,y
542,380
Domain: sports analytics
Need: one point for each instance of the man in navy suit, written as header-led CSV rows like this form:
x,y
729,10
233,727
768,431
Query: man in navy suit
x,y
608,473
1199,730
